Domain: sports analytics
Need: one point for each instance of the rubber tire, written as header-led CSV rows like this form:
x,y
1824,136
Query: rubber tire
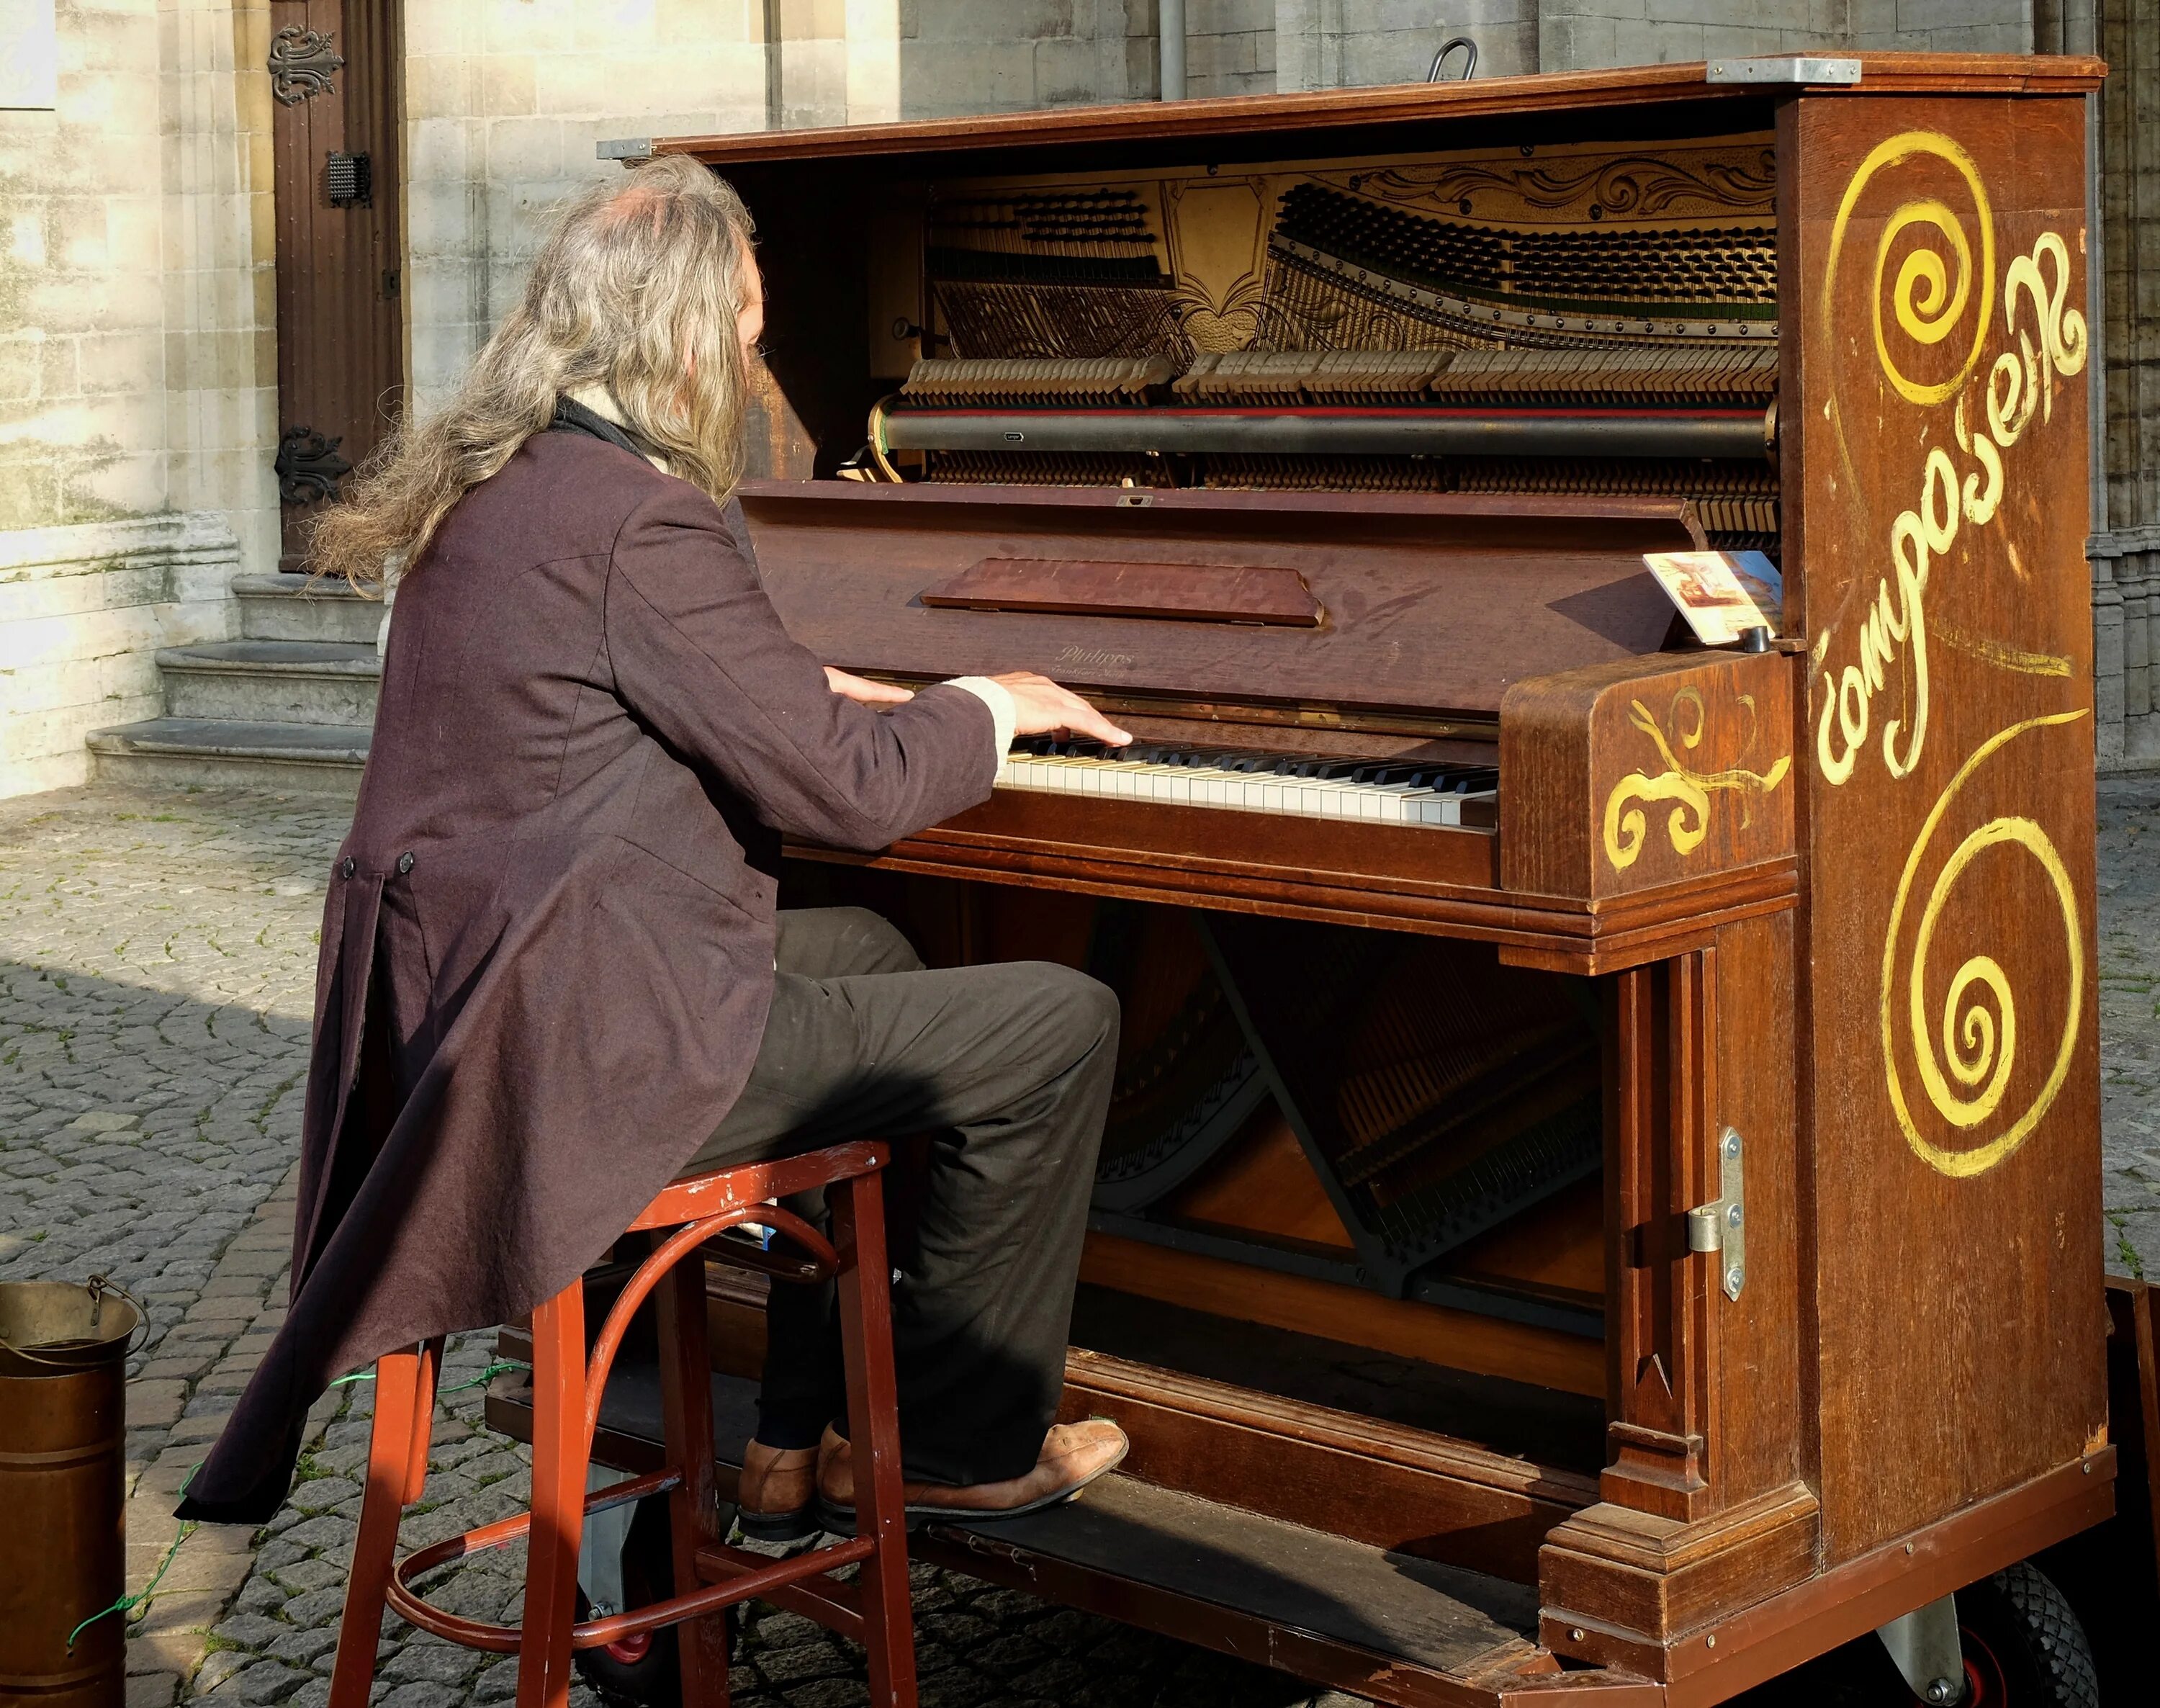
x,y
655,1678
2046,1656
2023,1646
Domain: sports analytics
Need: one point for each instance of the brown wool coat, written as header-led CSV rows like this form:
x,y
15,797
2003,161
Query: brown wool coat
x,y
546,953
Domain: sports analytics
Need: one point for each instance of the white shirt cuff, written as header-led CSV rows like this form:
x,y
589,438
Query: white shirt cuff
x,y
1004,714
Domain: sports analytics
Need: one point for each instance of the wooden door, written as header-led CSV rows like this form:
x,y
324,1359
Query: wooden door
x,y
334,67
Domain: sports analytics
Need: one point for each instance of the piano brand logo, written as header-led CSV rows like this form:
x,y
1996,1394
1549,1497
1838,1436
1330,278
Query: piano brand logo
x,y
1929,301
1095,656
1978,1024
1627,829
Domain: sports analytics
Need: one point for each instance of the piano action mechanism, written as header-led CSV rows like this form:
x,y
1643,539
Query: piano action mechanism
x,y
1460,911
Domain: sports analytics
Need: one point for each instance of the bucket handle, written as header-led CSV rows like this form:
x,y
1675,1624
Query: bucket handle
x,y
97,1286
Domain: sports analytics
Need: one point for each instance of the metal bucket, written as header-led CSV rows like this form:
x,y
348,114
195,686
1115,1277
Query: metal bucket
x,y
63,1556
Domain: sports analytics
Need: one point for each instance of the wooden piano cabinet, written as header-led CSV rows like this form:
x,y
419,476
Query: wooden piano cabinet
x,y
1948,1052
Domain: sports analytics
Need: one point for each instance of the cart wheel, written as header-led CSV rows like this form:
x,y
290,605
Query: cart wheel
x,y
2022,1644
2024,1649
643,1670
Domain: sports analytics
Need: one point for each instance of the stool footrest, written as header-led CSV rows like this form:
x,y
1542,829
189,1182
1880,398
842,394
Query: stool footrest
x,y
814,1596
758,1579
739,1576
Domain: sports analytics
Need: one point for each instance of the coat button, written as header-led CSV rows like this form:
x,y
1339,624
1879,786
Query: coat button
x,y
404,862
349,867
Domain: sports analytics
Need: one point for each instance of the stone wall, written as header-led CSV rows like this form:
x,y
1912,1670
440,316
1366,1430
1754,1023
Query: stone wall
x,y
137,357
504,102
2126,547
83,610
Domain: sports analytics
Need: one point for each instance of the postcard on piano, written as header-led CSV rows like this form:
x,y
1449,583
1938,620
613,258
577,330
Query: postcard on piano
x,y
1722,594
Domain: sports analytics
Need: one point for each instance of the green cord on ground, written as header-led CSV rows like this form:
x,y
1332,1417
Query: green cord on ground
x,y
498,1367
127,1604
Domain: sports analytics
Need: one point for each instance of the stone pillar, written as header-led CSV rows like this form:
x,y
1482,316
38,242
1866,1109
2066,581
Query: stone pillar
x,y
2107,664
807,62
2136,576
1308,45
219,278
2129,39
872,50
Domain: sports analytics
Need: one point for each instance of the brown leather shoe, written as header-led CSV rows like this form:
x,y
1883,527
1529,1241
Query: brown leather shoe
x,y
775,1491
1073,1456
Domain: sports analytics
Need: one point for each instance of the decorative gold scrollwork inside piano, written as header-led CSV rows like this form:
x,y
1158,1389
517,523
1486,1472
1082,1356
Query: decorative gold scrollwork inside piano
x,y
1576,319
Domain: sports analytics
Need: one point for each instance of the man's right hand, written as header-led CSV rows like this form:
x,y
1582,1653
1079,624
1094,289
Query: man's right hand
x,y
1044,708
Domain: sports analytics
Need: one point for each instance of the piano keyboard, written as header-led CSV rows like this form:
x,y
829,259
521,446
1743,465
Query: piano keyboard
x,y
1371,791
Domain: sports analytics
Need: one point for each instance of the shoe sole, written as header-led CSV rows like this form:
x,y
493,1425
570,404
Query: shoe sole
x,y
777,1526
837,1516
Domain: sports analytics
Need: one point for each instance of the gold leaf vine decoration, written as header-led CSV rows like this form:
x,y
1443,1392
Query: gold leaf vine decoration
x,y
1627,826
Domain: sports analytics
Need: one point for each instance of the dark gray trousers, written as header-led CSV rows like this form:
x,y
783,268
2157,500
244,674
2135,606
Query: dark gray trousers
x,y
1008,1067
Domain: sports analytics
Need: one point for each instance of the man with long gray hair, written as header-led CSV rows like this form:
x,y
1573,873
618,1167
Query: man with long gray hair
x,y
552,977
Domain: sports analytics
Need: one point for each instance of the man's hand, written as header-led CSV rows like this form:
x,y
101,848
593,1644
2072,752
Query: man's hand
x,y
864,692
1045,708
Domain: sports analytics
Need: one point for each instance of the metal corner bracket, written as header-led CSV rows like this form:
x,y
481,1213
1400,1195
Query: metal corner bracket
x,y
1783,68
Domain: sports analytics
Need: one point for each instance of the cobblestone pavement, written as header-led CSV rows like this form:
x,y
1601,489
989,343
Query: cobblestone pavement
x,y
157,955
2130,1020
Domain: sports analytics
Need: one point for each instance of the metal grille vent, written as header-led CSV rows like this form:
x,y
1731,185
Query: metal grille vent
x,y
348,179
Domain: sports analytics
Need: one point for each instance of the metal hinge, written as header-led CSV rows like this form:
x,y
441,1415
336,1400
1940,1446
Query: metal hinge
x,y
1722,1226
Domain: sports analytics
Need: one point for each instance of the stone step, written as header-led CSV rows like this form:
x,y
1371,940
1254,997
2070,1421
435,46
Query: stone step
x,y
272,682
290,758
286,607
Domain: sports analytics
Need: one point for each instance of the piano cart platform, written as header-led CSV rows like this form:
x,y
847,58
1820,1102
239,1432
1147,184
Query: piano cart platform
x,y
1417,1631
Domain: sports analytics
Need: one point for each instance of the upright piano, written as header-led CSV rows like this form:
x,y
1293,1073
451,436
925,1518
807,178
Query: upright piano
x,y
1603,1192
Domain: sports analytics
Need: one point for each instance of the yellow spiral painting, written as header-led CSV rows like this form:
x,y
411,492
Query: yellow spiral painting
x,y
1977,1027
1937,283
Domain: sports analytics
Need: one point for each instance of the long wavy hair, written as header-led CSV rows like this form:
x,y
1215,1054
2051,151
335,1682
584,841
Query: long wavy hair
x,y
635,288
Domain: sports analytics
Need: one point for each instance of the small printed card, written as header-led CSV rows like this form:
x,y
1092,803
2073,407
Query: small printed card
x,y
1722,594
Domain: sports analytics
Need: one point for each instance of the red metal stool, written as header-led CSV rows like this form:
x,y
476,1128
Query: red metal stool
x,y
566,1401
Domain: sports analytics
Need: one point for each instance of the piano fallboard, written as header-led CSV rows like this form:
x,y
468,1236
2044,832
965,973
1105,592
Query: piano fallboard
x,y
1433,604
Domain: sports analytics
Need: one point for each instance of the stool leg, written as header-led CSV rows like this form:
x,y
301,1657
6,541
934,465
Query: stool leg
x,y
874,1430
426,1369
686,1400
559,1452
397,1383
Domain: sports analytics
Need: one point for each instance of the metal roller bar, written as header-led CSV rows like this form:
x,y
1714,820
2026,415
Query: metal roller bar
x,y
1352,433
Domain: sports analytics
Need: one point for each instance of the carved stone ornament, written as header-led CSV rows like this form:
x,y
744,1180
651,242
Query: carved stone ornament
x,y
307,466
301,64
